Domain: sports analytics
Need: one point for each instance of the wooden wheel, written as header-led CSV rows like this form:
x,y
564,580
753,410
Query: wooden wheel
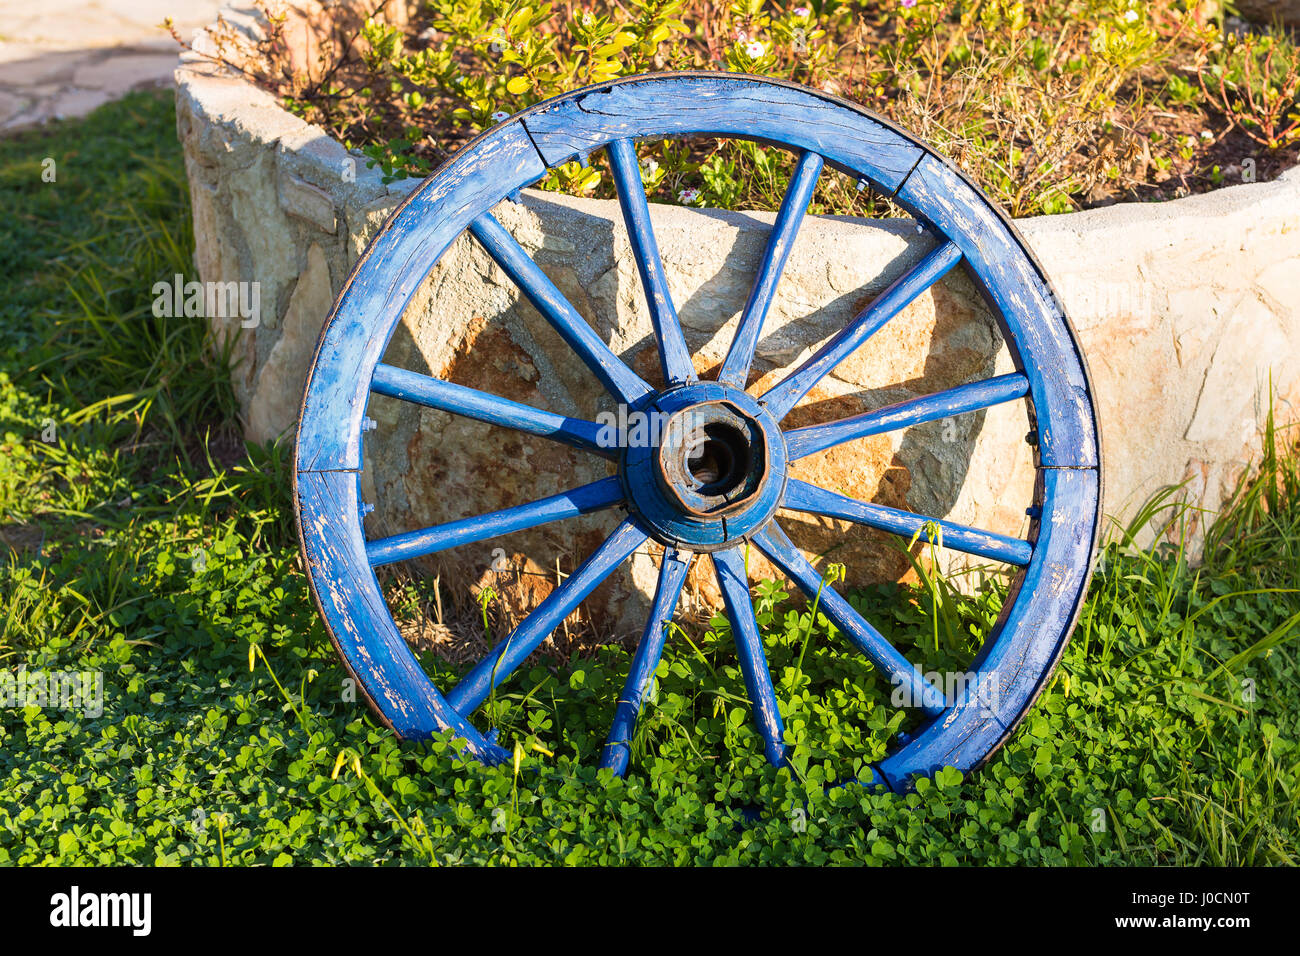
x,y
716,476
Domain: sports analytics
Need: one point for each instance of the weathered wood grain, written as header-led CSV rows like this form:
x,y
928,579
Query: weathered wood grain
x,y
486,407
359,622
801,496
801,442
596,496
722,104
674,356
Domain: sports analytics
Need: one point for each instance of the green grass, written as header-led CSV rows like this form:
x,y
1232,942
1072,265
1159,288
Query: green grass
x,y
1168,735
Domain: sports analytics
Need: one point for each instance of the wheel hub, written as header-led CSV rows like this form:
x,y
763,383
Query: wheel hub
x,y
712,472
712,459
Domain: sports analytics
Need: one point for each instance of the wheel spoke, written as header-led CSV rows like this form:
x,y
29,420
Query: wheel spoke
x,y
493,670
783,396
621,381
772,541
414,544
735,368
801,442
801,496
486,407
730,570
674,356
672,575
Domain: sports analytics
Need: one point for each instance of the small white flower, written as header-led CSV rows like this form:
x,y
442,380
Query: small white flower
x,y
587,18
741,36
688,196
500,116
1206,134
755,48
1130,16
651,167
801,11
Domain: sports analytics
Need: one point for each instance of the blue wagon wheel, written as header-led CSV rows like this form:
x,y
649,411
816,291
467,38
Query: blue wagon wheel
x,y
718,477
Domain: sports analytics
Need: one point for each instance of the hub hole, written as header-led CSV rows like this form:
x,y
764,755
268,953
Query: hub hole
x,y
717,462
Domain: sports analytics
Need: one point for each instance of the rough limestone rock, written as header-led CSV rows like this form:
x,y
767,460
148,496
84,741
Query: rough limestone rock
x,y
273,409
1187,311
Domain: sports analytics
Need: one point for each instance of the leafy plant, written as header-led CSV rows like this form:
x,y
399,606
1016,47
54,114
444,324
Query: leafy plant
x,y
1050,106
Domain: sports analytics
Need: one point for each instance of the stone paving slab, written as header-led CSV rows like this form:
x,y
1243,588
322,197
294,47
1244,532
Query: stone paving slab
x,y
60,59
